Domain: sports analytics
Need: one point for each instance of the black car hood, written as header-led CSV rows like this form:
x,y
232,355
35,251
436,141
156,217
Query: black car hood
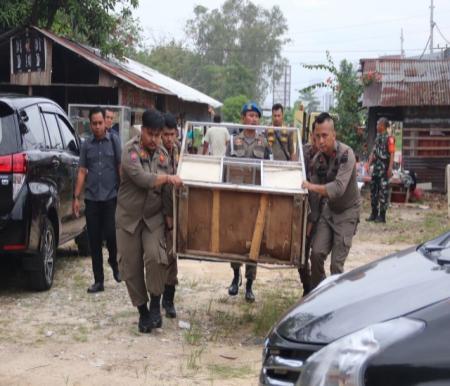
x,y
387,288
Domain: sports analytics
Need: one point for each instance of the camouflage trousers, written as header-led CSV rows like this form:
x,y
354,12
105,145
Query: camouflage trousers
x,y
379,192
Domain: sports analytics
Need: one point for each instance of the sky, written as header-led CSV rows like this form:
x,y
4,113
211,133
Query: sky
x,y
349,29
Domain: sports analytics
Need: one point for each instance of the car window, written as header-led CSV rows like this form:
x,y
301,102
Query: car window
x,y
53,131
66,134
8,139
34,137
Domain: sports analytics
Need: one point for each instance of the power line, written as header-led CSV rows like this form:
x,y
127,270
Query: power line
x,y
440,33
360,25
426,45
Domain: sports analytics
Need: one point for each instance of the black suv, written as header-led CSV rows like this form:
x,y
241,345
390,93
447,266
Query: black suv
x,y
39,152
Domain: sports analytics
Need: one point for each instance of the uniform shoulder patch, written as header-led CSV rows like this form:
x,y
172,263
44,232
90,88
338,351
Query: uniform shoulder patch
x,y
344,157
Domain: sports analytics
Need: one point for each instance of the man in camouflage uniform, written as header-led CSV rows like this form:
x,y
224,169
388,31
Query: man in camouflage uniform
x,y
334,170
382,159
282,142
169,142
141,220
248,144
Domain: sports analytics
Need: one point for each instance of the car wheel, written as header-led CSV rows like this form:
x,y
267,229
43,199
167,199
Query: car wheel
x,y
41,278
82,242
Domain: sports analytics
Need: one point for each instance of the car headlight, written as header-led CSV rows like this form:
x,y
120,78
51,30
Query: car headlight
x,y
343,362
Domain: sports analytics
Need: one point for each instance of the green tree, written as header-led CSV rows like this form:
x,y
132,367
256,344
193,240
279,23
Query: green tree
x,y
239,36
347,89
174,60
232,106
309,100
106,24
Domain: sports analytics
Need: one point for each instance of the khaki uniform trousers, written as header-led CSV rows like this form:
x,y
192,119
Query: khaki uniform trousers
x,y
334,238
250,270
142,261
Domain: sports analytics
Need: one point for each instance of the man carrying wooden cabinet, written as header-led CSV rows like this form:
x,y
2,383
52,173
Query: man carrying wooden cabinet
x,y
248,144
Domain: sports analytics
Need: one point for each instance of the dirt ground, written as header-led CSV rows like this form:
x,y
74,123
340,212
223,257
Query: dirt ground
x,y
67,337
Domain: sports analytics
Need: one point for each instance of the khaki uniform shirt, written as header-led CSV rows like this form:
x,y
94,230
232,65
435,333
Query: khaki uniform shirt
x,y
279,140
138,198
315,201
248,147
174,157
338,174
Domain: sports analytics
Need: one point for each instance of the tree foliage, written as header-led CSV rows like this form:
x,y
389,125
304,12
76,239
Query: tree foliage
x,y
106,24
309,99
234,50
232,106
174,60
347,89
239,41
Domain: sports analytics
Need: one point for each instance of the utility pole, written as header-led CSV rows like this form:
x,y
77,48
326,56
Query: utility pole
x,y
431,26
402,51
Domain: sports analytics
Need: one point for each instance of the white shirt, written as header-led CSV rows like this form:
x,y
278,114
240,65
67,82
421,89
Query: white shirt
x,y
217,138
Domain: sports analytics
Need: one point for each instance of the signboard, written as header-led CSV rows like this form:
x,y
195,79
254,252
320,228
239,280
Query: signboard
x,y
28,53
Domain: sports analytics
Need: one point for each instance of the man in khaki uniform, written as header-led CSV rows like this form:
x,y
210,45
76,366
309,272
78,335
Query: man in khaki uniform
x,y
169,142
315,202
282,142
334,169
140,219
248,144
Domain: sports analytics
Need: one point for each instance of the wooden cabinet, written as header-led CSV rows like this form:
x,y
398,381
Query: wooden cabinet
x,y
240,209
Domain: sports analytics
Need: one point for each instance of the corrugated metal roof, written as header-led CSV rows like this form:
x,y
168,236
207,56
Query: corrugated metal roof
x,y
135,73
407,82
182,90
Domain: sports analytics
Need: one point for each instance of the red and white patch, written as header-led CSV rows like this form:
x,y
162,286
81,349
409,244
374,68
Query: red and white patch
x,y
162,158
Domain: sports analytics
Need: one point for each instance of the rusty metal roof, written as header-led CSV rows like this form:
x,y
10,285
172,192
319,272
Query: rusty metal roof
x,y
138,75
406,82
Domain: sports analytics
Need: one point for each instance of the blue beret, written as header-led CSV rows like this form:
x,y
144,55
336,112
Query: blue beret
x,y
251,106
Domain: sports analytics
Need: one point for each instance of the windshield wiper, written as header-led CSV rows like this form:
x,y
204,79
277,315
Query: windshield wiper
x,y
433,248
441,260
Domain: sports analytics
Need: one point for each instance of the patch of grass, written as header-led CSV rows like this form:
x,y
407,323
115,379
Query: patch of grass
x,y
81,334
223,300
433,225
80,282
427,227
193,360
193,335
228,372
226,323
192,284
269,310
124,314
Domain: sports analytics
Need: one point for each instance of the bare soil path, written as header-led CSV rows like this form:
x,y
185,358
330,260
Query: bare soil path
x,y
67,337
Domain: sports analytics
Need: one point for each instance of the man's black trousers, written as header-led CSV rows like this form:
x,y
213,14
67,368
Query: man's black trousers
x,y
101,225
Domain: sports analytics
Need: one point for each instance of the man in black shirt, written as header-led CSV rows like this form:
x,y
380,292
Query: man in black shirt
x,y
99,167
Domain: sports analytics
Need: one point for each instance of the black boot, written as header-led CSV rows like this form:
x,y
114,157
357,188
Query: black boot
x,y
155,311
145,325
167,301
236,283
381,217
373,216
249,296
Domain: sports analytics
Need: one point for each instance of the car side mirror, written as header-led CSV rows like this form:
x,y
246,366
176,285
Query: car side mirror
x,y
73,147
